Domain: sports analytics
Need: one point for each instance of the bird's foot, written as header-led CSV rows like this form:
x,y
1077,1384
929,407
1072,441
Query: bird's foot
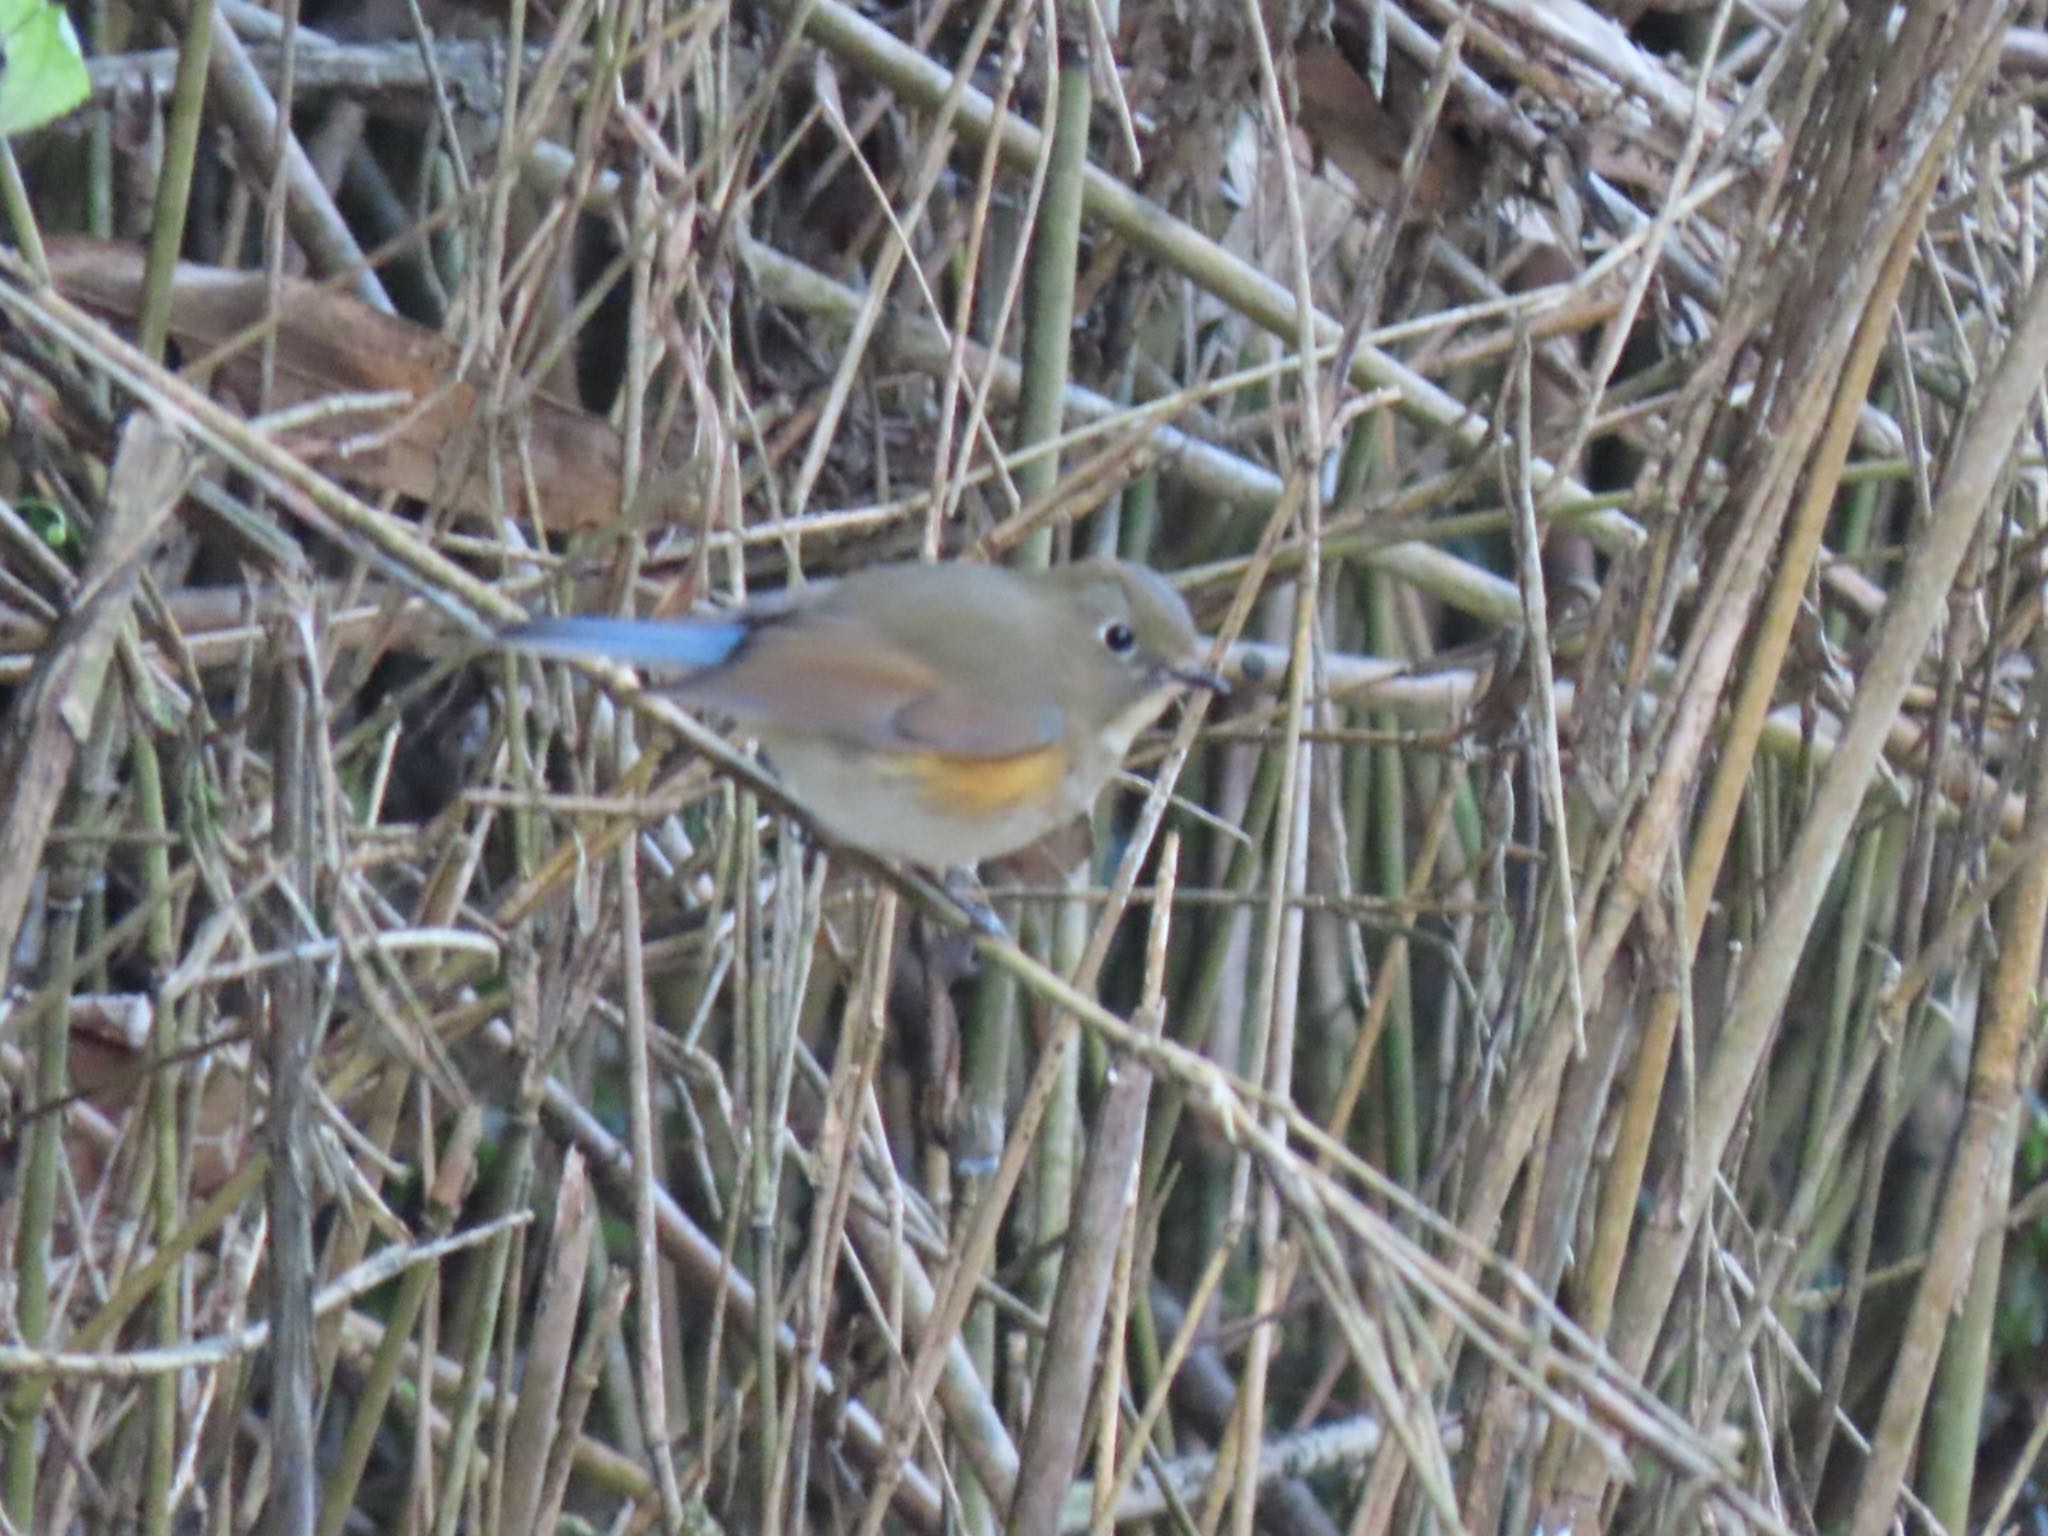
x,y
964,887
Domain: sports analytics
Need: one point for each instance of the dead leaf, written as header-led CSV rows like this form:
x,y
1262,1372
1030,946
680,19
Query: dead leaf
x,y
331,345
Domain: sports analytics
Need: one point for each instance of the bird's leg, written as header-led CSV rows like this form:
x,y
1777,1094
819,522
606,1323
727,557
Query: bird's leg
x,y
963,885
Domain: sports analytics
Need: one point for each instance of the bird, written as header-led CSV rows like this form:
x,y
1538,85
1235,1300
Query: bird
x,y
938,713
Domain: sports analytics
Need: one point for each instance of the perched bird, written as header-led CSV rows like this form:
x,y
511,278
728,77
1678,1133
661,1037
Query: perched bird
x,y
942,714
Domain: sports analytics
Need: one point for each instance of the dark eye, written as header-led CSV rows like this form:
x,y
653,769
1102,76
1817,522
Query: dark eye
x,y
1118,638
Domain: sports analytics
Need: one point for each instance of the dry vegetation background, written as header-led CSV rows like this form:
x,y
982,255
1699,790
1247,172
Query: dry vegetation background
x,y
1554,1049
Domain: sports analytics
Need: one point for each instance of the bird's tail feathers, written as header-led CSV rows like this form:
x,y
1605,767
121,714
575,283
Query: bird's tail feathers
x,y
682,645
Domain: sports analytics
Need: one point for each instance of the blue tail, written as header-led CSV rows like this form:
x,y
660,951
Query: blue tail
x,y
660,645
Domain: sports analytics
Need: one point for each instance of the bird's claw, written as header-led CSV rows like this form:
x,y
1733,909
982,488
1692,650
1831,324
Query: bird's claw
x,y
965,890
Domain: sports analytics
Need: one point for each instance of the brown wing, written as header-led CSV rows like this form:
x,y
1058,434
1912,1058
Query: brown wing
x,y
833,675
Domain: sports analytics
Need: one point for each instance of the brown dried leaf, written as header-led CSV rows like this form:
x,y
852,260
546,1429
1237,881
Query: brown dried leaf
x,y
1367,137
330,344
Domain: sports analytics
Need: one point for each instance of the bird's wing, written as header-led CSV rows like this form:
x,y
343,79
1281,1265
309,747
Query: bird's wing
x,y
834,676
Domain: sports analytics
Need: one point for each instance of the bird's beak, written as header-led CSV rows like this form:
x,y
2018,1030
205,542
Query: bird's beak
x,y
1195,675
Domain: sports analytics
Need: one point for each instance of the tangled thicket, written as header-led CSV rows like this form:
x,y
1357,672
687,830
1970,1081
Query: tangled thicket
x,y
1551,1050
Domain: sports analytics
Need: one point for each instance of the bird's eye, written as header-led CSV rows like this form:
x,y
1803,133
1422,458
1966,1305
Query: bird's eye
x,y
1118,638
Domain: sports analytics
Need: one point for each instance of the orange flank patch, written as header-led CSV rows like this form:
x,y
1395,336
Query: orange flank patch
x,y
988,786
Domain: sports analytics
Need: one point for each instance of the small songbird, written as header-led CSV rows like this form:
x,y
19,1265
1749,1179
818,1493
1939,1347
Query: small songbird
x,y
942,714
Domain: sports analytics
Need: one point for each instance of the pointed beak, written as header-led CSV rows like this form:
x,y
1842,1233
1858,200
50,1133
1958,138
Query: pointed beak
x,y
1195,675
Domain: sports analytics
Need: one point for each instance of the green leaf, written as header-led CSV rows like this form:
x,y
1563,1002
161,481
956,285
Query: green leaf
x,y
48,522
42,70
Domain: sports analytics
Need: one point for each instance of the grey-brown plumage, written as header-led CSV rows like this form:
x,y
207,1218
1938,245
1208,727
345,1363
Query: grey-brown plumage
x,y
941,713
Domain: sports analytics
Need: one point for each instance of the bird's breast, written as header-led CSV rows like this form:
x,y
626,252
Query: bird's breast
x,y
986,786
934,808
